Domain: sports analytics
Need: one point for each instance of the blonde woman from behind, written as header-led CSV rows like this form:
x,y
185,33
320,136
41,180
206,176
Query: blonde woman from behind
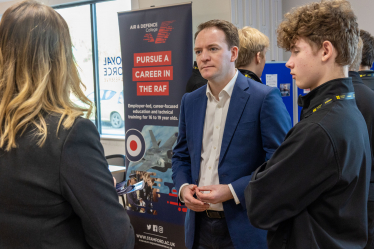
x,y
56,189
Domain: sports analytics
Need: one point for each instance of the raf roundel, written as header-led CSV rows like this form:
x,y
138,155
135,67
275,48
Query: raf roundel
x,y
135,145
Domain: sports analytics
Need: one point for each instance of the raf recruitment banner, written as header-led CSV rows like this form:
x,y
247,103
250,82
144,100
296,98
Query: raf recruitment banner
x,y
156,49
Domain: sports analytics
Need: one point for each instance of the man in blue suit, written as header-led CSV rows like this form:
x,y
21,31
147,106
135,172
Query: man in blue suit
x,y
226,130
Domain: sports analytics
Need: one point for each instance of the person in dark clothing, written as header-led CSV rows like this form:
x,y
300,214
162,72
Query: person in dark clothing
x,y
366,74
56,190
313,191
133,201
149,193
365,103
133,197
196,80
252,50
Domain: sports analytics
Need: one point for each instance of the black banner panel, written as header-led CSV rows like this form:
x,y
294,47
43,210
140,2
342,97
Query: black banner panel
x,y
157,50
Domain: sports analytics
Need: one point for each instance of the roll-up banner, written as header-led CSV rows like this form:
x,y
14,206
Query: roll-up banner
x,y
156,46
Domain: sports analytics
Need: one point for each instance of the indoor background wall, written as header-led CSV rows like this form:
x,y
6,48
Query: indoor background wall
x,y
204,10
362,8
264,15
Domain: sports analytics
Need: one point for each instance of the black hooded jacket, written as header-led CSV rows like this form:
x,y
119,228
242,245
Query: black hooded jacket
x,y
367,78
313,191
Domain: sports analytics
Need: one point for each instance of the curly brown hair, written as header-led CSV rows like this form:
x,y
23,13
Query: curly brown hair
x,y
368,49
332,21
231,32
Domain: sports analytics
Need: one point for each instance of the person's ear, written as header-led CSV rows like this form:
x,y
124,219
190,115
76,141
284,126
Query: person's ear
x,y
234,53
258,58
327,50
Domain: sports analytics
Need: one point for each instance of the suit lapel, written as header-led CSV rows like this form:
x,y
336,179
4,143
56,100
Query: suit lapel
x,y
238,102
199,110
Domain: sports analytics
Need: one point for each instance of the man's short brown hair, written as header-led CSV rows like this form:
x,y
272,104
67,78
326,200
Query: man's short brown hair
x,y
251,41
332,21
231,32
368,49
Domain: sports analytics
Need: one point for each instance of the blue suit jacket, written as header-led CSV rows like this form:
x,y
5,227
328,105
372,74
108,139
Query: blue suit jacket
x,y
256,124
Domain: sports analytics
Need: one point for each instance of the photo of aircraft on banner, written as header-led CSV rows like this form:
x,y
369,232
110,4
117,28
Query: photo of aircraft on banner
x,y
157,158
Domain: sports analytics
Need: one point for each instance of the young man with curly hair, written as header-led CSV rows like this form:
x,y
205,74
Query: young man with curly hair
x,y
313,192
366,74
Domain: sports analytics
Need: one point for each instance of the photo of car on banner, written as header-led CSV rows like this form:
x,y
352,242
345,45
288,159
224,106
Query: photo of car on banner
x,y
112,109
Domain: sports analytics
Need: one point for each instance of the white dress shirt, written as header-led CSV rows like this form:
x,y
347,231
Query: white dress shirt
x,y
214,126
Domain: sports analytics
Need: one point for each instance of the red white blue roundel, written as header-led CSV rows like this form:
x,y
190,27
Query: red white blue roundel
x,y
135,145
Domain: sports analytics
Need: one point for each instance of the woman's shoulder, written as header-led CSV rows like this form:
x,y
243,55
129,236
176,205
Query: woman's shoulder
x,y
56,126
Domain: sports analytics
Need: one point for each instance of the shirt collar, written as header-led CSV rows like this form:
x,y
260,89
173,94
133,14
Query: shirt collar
x,y
250,74
228,88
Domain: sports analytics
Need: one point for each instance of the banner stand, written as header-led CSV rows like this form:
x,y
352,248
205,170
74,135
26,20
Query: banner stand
x,y
156,47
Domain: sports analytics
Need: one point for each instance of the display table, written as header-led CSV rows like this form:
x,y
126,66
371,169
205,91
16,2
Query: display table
x,y
116,169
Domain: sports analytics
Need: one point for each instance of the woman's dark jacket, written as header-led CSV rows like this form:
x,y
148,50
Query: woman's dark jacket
x,y
60,195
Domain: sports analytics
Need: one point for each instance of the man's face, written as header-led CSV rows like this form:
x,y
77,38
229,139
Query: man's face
x,y
149,182
132,181
214,59
306,65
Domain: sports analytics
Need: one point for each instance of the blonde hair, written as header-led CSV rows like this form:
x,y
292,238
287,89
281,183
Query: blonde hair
x,y
355,66
37,72
251,41
332,21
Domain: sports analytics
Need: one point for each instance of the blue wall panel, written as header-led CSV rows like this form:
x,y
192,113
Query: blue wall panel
x,y
284,77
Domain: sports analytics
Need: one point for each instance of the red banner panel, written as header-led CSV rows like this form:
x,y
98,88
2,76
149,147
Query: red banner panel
x,y
153,88
152,73
161,58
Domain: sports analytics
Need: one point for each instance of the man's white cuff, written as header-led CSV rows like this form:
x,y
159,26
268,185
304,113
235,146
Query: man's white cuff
x,y
179,193
233,194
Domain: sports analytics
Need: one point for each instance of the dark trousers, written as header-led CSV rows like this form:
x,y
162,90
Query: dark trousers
x,y
211,233
370,244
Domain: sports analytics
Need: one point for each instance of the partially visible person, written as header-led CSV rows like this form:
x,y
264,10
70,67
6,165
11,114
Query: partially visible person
x,y
149,193
252,51
313,191
132,197
196,80
366,74
365,103
56,189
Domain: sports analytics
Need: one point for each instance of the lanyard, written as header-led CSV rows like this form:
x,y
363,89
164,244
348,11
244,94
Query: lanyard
x,y
246,75
367,75
344,96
